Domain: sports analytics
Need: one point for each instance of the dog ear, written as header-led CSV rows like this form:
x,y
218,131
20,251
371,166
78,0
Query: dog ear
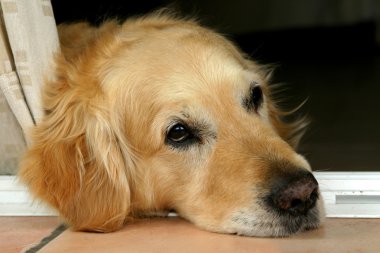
x,y
290,130
79,162
290,126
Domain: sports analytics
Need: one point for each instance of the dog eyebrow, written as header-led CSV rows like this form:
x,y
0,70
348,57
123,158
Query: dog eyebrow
x,y
200,126
185,114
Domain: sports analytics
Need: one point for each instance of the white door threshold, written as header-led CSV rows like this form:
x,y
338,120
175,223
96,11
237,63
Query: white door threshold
x,y
346,195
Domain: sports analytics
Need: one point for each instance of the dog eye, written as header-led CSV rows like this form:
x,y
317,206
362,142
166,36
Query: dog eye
x,y
256,97
179,133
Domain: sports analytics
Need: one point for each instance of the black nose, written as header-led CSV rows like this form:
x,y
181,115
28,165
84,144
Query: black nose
x,y
296,194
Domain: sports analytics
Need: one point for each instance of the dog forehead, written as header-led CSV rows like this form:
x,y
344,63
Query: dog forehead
x,y
173,66
191,47
195,63
184,53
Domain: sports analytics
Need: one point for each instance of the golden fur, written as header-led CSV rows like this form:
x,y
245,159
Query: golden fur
x,y
100,158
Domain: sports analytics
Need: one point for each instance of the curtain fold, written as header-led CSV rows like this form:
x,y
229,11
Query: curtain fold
x,y
28,42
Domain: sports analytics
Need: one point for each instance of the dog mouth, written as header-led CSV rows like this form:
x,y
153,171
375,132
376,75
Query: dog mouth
x,y
289,224
271,223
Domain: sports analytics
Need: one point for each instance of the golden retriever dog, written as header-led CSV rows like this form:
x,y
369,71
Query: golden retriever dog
x,y
160,114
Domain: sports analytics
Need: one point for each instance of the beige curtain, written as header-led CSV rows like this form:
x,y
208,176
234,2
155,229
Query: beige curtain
x,y
28,41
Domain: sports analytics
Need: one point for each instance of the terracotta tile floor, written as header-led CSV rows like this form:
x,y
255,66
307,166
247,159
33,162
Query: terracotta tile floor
x,y
20,233
176,235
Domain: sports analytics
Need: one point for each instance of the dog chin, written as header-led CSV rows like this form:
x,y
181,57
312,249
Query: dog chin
x,y
270,224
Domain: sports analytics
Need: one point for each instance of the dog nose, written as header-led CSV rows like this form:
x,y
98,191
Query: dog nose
x,y
297,195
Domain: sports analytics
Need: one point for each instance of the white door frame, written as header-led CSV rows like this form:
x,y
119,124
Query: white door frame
x,y
346,194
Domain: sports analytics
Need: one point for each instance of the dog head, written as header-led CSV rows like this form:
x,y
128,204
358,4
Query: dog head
x,y
160,114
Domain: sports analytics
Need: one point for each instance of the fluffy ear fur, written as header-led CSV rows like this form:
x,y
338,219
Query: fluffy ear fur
x,y
289,126
77,166
79,162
